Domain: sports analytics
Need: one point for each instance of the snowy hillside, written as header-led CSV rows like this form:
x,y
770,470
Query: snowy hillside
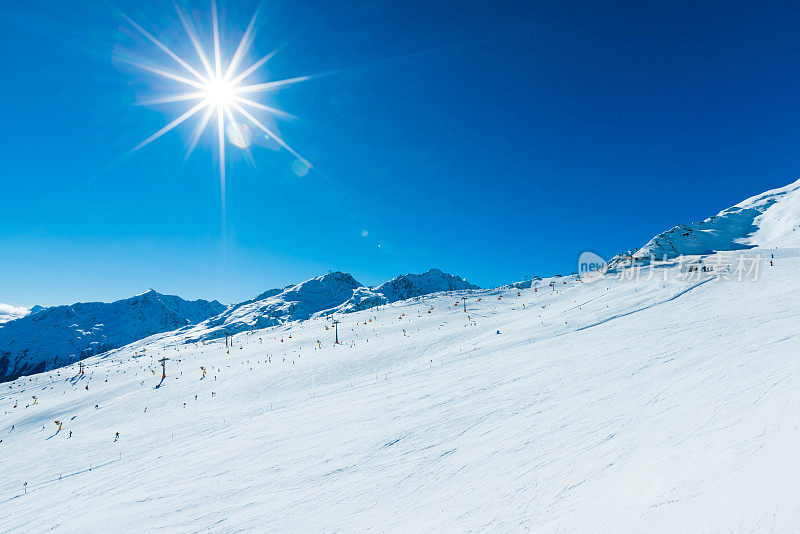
x,y
323,295
414,285
404,287
767,220
273,307
624,405
654,399
52,337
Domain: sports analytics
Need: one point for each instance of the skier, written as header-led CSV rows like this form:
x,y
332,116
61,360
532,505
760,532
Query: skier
x,y
59,423
204,371
116,437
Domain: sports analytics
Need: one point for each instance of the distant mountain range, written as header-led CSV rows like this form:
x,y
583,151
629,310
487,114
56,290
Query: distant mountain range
x,y
335,292
47,338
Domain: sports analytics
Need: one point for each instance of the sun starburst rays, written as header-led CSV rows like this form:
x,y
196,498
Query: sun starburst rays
x,y
216,88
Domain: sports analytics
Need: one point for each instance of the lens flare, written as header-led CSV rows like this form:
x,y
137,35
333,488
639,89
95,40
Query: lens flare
x,y
239,135
215,91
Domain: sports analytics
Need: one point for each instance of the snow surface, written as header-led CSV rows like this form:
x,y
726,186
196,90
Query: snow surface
x,y
650,405
52,337
768,220
323,295
663,402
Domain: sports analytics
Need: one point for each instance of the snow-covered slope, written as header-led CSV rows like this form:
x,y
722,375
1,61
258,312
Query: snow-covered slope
x,y
771,219
323,295
404,287
664,401
414,285
56,336
644,405
50,337
294,303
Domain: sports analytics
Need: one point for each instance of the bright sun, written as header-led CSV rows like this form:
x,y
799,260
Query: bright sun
x,y
219,90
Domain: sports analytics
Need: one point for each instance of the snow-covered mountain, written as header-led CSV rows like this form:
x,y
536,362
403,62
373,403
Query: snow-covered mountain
x,y
618,406
9,312
632,404
48,338
335,292
294,303
404,287
414,285
770,219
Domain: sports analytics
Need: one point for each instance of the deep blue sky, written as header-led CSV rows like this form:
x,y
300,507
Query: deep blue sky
x,y
488,139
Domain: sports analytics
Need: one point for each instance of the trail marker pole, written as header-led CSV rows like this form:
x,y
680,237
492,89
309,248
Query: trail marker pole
x,y
163,367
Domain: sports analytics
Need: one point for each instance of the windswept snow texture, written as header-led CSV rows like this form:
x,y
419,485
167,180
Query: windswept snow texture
x,y
663,404
51,337
333,292
767,220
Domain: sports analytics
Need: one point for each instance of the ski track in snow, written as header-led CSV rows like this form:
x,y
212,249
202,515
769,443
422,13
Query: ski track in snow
x,y
661,405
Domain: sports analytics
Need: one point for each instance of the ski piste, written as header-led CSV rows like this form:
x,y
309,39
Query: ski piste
x,y
658,397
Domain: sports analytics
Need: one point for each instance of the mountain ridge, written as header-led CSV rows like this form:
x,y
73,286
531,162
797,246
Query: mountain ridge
x,y
334,292
59,335
47,338
769,219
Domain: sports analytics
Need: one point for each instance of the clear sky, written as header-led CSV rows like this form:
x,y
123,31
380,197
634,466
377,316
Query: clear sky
x,y
487,139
